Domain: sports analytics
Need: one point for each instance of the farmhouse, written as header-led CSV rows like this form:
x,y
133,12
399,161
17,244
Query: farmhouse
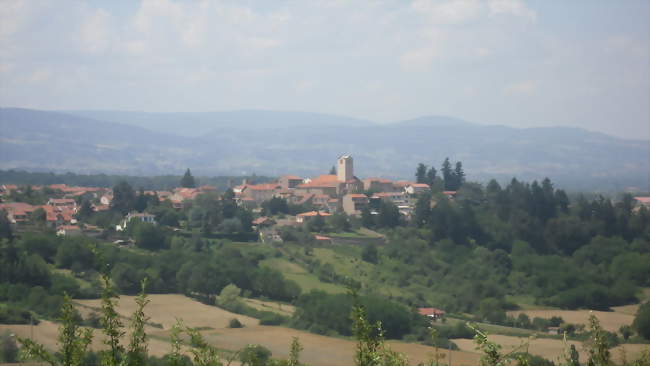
x,y
431,313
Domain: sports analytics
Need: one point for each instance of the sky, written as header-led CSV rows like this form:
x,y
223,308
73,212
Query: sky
x,y
579,63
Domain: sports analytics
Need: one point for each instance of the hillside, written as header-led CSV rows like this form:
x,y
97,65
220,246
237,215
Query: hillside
x,y
274,143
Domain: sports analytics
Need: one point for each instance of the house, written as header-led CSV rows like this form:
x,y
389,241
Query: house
x,y
18,212
449,194
62,202
642,202
326,184
417,188
323,239
354,203
263,221
378,185
142,217
431,313
289,181
68,230
301,217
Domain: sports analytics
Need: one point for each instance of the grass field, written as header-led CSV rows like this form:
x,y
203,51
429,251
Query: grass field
x,y
307,281
611,321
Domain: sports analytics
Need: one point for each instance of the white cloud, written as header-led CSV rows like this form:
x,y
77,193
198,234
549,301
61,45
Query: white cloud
x,y
96,32
526,87
511,7
449,12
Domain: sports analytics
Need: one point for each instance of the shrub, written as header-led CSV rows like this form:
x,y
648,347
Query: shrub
x,y
235,323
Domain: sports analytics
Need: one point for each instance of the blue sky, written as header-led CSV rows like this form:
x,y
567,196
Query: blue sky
x,y
582,63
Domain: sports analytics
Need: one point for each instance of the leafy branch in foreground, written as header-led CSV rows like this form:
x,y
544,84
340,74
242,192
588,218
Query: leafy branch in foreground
x,y
371,350
492,355
73,341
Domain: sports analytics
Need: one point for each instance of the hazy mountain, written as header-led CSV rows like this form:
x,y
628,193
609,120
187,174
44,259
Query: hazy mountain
x,y
199,123
256,142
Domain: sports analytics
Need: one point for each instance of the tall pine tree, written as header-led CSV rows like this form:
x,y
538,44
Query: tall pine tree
x,y
188,180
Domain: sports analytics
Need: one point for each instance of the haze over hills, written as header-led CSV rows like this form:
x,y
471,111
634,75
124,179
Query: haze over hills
x,y
274,143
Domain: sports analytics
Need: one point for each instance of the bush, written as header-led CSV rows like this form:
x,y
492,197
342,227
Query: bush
x,y
270,318
235,323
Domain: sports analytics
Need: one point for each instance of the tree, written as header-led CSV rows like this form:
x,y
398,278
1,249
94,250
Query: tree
x,y
85,211
459,176
370,253
333,170
642,321
188,180
123,198
388,215
447,174
431,176
5,226
422,210
38,216
421,173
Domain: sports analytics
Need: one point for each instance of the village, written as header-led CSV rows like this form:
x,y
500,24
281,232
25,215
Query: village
x,y
327,194
341,191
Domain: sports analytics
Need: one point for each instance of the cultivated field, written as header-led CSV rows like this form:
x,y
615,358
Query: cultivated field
x,y
46,333
276,307
165,309
551,349
610,321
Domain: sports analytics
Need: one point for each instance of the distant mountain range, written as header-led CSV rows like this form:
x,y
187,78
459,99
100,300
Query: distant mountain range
x,y
274,143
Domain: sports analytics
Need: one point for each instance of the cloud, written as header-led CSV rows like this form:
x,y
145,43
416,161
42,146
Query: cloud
x,y
96,32
511,7
449,12
527,87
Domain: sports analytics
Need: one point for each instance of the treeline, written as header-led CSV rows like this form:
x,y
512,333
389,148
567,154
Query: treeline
x,y
161,182
487,243
194,266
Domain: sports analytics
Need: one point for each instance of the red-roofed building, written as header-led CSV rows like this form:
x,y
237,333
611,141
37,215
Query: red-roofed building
x,y
289,181
301,217
62,202
378,185
642,201
354,203
417,188
431,313
18,212
263,222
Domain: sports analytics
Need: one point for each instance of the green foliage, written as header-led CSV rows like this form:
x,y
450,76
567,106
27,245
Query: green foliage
x,y
188,180
124,198
235,323
370,253
642,321
8,347
254,355
73,341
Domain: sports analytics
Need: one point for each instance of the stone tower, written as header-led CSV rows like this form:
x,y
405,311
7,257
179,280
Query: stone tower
x,y
345,170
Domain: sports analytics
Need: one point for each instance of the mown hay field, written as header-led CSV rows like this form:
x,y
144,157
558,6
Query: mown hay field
x,y
551,349
165,309
609,320
47,332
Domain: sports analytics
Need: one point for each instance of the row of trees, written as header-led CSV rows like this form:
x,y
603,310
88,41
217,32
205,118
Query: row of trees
x,y
452,178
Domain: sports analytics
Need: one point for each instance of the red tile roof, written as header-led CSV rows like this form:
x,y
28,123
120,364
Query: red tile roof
x,y
313,213
264,187
645,200
420,185
357,195
430,311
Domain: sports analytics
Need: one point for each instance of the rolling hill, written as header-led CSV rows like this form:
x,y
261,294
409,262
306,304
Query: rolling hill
x,y
274,143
